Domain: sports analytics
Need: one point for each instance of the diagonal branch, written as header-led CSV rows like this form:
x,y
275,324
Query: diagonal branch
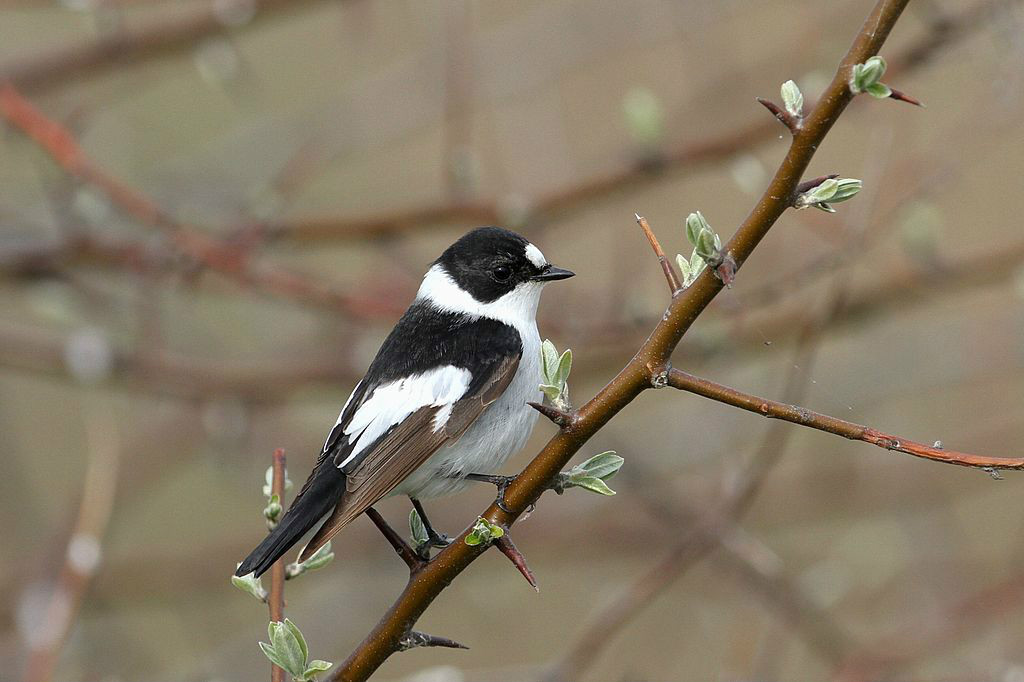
x,y
795,414
636,376
224,257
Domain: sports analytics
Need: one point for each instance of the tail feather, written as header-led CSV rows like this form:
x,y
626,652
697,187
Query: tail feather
x,y
320,494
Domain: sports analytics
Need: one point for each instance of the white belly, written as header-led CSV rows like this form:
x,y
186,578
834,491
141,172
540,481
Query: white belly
x,y
498,433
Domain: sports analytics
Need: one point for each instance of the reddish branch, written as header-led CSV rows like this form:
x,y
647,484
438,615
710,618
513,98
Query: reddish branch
x,y
84,547
674,285
227,258
275,599
649,362
840,427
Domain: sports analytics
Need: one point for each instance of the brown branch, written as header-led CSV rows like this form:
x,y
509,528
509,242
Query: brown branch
x,y
84,549
223,257
674,285
687,158
128,46
950,626
402,548
636,376
822,422
276,598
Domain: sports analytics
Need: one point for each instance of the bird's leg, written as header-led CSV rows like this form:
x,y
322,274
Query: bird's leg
x,y
434,539
500,482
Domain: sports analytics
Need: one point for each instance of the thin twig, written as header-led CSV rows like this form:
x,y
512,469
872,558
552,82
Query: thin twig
x,y
276,598
402,548
822,422
674,285
789,120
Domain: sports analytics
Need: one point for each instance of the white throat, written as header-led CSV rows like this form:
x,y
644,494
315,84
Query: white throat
x,y
517,308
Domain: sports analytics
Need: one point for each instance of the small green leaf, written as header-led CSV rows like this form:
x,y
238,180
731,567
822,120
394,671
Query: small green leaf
x,y
792,98
552,392
603,465
592,483
484,532
298,638
417,530
866,75
250,584
549,359
288,648
695,224
824,191
879,90
316,666
696,263
320,558
564,367
272,654
706,245
846,188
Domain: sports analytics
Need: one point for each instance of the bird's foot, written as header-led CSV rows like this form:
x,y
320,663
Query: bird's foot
x,y
434,539
500,482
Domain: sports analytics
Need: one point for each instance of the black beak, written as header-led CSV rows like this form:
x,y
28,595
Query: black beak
x,y
550,273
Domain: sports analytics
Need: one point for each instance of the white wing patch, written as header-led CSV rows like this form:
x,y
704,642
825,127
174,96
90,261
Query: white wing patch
x,y
535,256
391,403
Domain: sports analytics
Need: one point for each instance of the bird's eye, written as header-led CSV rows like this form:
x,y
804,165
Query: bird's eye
x,y
502,273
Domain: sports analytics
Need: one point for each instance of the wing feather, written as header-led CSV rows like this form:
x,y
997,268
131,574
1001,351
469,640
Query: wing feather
x,y
405,446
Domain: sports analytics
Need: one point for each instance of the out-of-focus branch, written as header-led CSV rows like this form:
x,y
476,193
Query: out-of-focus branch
x,y
686,158
176,375
134,46
795,414
229,259
887,656
84,547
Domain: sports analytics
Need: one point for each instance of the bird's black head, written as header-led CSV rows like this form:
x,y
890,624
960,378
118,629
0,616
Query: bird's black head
x,y
490,262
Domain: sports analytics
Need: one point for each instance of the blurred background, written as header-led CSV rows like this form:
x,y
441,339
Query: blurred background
x,y
212,213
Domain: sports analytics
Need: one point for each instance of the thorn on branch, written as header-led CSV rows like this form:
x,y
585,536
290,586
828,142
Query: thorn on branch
x,y
505,544
402,548
414,639
674,285
901,96
562,418
787,119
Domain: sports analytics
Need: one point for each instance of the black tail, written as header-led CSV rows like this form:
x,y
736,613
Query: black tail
x,y
322,491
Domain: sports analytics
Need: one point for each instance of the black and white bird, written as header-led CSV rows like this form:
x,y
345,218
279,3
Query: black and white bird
x,y
443,402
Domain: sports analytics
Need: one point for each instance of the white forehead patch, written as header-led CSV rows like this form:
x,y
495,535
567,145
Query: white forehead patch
x,y
535,256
